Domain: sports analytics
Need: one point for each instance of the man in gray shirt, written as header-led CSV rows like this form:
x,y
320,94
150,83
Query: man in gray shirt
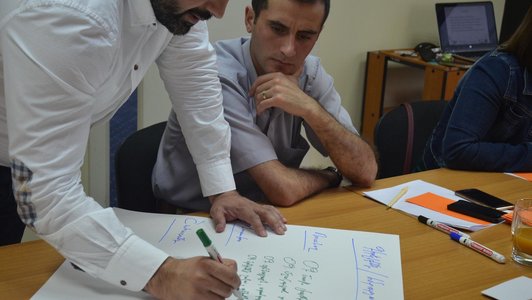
x,y
271,86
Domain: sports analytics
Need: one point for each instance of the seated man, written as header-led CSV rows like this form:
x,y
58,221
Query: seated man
x,y
271,86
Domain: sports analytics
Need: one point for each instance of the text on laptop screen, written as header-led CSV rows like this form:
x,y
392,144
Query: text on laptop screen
x,y
468,26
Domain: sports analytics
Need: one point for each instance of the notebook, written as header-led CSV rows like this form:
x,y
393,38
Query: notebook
x,y
467,28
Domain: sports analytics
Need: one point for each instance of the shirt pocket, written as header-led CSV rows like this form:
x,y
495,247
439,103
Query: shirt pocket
x,y
514,124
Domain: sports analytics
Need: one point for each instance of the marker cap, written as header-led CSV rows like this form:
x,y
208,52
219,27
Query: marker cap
x,y
203,237
455,236
422,219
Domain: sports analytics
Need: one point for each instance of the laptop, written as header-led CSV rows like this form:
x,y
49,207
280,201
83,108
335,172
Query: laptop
x,y
466,29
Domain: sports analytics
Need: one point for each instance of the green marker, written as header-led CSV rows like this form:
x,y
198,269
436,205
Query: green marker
x,y
214,254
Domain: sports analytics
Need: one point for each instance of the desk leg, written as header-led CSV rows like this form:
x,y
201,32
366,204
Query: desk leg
x,y
434,83
373,93
452,81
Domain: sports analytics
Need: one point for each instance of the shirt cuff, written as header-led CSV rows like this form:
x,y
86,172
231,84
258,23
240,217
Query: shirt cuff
x,y
134,264
216,178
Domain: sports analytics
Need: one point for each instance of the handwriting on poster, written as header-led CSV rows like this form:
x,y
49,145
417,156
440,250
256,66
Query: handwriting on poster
x,y
298,268
293,281
305,263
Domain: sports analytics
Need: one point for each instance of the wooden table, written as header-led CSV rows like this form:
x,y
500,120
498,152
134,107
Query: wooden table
x,y
439,83
434,267
25,267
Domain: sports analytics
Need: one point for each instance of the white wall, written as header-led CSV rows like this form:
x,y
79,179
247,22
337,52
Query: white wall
x,y
353,28
154,101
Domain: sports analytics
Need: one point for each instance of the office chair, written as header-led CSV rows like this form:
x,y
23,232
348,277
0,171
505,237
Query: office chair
x,y
134,161
401,134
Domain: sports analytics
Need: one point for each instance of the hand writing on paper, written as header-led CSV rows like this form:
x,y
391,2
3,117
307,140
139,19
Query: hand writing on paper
x,y
230,206
194,278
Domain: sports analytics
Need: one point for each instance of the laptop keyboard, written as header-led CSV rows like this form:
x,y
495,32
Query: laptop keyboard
x,y
473,55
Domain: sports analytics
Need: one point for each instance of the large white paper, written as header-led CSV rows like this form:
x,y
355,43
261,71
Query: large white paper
x,y
305,263
416,188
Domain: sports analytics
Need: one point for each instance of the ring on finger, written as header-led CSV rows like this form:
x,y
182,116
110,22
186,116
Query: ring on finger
x,y
264,97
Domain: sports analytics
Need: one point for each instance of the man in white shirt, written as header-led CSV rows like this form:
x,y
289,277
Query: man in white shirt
x,y
68,64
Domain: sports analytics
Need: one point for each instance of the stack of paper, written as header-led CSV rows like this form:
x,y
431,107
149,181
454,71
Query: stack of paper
x,y
429,200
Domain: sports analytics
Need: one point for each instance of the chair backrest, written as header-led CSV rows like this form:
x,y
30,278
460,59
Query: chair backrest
x,y
397,155
134,163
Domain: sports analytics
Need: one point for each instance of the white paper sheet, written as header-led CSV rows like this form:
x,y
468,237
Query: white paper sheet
x,y
305,263
416,188
518,176
519,288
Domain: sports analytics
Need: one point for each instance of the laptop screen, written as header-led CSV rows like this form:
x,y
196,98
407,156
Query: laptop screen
x,y
466,26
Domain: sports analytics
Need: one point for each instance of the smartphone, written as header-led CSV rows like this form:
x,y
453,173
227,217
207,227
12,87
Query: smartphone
x,y
477,211
483,198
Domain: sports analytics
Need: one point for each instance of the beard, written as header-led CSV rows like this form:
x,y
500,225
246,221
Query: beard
x,y
166,12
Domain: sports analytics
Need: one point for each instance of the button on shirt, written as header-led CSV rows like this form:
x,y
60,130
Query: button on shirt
x,y
68,64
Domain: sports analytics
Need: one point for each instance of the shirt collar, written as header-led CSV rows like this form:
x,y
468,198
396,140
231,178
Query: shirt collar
x,y
248,61
141,12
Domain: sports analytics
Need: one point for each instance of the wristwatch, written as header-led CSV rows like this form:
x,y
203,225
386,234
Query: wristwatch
x,y
339,176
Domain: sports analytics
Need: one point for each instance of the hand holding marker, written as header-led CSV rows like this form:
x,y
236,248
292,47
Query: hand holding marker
x,y
213,253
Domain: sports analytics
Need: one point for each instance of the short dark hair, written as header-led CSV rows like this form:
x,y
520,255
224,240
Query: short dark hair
x,y
259,5
520,43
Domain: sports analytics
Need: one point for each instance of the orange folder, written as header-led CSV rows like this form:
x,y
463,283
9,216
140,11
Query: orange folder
x,y
439,204
525,176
